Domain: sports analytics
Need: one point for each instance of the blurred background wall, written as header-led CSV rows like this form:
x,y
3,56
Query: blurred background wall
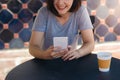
x,y
107,19
16,20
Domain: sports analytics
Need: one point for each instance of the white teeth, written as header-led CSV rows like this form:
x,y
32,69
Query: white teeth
x,y
61,7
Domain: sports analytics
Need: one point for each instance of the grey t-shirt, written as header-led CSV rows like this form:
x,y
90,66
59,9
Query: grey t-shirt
x,y
47,22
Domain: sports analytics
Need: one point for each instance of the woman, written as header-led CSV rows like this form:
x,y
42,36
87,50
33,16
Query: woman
x,y
61,18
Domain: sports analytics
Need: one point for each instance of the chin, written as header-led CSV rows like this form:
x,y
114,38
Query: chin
x,y
62,13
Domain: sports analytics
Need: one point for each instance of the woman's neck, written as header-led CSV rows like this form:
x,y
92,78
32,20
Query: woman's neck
x,y
64,18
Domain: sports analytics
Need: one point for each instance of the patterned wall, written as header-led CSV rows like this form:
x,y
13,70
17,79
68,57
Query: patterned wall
x,y
107,19
16,20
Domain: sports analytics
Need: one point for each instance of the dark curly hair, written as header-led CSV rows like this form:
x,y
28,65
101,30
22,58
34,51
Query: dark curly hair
x,y
75,6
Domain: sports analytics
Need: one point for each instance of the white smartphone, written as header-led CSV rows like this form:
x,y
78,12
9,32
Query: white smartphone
x,y
61,42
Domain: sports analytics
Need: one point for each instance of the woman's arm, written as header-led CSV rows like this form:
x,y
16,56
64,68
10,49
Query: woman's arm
x,y
35,49
35,46
86,48
88,42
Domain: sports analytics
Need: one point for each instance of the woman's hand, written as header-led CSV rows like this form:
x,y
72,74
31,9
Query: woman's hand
x,y
47,53
54,52
59,53
72,54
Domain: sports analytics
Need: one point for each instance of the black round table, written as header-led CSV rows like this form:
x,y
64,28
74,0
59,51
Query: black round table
x,y
85,68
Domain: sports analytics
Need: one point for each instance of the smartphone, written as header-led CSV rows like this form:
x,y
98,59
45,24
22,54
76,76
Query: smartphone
x,y
61,42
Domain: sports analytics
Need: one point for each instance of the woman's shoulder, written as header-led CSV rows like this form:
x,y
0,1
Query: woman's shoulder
x,y
43,10
81,10
82,7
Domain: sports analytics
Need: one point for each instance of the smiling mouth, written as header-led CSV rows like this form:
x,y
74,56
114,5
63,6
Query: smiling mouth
x,y
61,8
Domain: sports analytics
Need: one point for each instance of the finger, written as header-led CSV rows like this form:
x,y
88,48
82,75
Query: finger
x,y
57,54
60,53
75,56
68,56
70,52
57,48
69,47
65,56
63,51
72,58
54,55
51,48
